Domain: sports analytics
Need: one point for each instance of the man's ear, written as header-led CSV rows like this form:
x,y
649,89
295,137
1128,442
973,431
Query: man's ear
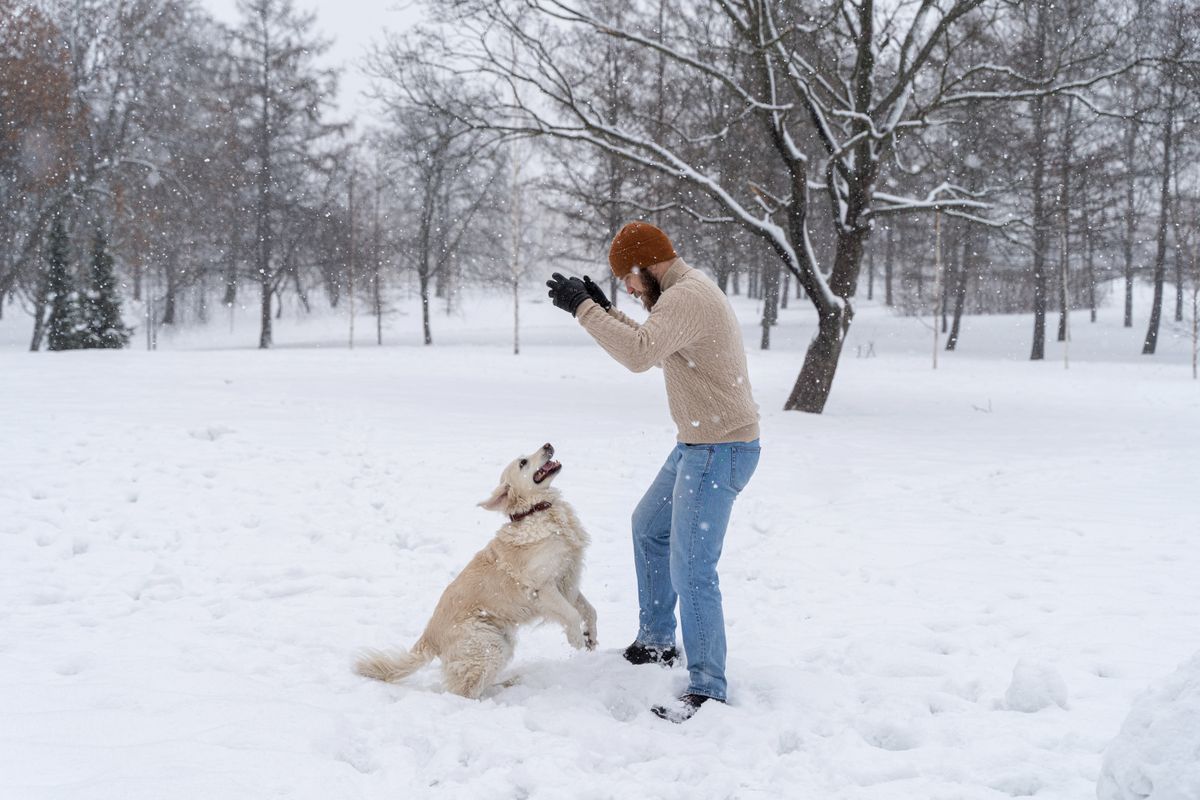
x,y
497,500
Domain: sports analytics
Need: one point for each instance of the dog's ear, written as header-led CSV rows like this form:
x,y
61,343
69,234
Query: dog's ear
x,y
498,499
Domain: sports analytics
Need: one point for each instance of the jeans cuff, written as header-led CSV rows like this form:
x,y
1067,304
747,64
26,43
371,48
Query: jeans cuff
x,y
646,640
707,691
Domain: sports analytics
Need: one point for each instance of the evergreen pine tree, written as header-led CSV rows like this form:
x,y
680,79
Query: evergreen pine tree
x,y
102,304
65,329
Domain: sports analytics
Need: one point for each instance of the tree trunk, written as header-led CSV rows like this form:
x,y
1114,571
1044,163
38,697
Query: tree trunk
x,y
888,260
947,283
918,279
202,298
264,336
424,281
377,305
770,299
265,191
724,266
39,319
1038,107
960,286
169,300
1178,283
1065,209
439,289
1160,258
230,276
1089,241
1130,216
871,273
811,390
1176,219
376,269
353,252
516,317
1038,351
136,266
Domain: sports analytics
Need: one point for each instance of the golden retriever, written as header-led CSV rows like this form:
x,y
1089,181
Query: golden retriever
x,y
530,570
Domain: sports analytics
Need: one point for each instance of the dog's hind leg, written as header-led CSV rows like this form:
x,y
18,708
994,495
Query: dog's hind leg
x,y
471,665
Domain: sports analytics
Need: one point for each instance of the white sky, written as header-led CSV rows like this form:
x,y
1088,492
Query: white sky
x,y
353,25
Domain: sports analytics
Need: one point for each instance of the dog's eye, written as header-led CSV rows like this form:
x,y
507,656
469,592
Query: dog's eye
x,y
523,463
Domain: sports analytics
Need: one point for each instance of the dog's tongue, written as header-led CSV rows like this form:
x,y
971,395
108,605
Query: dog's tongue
x,y
547,468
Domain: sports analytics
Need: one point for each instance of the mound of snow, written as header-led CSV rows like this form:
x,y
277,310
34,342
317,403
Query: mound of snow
x,y
1156,756
1035,686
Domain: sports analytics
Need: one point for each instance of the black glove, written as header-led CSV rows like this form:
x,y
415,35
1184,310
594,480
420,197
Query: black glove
x,y
596,293
567,293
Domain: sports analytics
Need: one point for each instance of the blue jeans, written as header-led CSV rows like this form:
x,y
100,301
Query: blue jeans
x,y
678,529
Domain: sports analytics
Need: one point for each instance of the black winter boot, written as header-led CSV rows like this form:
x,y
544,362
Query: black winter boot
x,y
638,653
683,709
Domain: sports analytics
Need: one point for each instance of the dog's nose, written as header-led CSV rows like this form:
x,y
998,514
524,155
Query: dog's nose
x,y
547,447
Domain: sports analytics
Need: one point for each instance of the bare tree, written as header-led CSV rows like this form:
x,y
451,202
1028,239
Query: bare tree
x,y
449,170
284,96
1181,24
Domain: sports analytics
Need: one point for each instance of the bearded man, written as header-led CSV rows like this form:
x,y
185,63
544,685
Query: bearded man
x,y
679,525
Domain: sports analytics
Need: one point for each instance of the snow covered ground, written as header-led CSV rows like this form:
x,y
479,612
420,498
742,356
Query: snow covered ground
x,y
952,584
1157,753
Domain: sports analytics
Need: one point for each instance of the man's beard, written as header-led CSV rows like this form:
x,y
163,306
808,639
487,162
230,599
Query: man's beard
x,y
651,290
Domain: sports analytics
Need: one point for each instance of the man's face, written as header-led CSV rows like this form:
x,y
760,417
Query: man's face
x,y
644,286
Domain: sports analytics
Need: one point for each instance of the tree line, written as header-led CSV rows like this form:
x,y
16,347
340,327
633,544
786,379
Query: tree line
x,y
949,156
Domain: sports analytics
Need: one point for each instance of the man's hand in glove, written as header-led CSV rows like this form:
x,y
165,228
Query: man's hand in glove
x,y
596,293
567,293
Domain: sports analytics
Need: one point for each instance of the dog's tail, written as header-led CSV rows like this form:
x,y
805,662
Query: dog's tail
x,y
396,666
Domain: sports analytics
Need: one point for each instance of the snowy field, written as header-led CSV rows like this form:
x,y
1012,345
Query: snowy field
x,y
952,585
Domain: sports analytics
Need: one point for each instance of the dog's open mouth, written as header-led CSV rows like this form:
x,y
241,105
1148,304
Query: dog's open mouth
x,y
546,470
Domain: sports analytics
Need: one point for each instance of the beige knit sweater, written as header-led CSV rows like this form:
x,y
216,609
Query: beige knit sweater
x,y
693,335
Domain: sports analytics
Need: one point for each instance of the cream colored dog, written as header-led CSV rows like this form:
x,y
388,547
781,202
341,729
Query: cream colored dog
x,y
530,570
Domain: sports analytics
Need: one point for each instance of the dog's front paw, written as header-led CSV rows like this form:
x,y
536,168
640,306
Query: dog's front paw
x,y
589,639
576,639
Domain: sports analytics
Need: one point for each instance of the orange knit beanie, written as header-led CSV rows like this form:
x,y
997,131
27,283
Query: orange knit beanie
x,y
638,244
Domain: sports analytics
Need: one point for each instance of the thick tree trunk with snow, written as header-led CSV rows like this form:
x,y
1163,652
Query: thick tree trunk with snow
x,y
811,390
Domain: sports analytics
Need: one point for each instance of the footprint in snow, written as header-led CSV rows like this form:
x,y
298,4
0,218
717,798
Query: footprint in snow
x,y
211,433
